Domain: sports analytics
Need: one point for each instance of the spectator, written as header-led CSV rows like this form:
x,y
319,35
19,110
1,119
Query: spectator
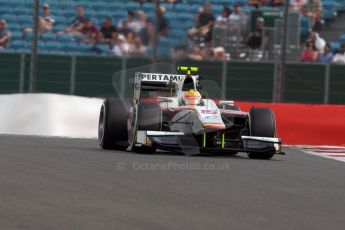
x,y
219,54
45,22
196,54
224,17
204,21
130,24
163,24
5,35
309,53
238,20
326,56
275,3
257,40
78,22
340,57
205,18
256,3
90,32
297,5
312,9
146,33
137,48
142,18
108,31
121,46
318,41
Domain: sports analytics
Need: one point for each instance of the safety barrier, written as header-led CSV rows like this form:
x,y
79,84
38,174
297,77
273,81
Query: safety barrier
x,y
302,124
71,116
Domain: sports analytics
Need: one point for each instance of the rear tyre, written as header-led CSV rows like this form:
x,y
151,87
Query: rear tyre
x,y
149,118
263,124
112,126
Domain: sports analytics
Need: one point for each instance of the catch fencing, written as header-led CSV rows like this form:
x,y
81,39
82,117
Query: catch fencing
x,y
96,76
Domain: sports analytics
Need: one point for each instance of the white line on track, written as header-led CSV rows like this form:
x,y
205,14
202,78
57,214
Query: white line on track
x,y
330,152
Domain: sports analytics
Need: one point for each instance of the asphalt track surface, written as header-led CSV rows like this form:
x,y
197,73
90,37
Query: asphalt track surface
x,y
57,183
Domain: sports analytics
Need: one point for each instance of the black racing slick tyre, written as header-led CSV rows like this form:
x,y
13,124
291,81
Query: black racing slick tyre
x,y
262,124
149,118
112,126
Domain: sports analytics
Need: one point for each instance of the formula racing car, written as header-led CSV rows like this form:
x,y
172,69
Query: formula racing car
x,y
168,112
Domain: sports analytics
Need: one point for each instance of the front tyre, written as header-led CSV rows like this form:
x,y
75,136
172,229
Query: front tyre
x,y
262,124
112,126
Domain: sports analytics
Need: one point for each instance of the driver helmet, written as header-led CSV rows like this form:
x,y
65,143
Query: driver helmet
x,y
191,97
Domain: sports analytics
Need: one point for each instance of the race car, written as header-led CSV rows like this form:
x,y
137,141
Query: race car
x,y
168,112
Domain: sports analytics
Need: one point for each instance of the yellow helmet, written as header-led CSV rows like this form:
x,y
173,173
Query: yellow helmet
x,y
191,97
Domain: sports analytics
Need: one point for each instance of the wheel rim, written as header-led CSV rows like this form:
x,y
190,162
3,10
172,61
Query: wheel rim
x,y
101,125
133,123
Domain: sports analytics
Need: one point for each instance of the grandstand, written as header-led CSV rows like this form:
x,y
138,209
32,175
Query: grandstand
x,y
18,14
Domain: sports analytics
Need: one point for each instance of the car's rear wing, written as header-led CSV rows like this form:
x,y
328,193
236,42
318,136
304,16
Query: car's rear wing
x,y
157,82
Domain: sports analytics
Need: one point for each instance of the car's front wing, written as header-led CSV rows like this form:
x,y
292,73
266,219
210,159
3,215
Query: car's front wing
x,y
178,142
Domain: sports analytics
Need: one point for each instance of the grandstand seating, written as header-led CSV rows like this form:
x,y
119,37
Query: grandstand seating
x,y
18,14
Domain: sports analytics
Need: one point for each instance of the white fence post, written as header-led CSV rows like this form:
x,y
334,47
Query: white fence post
x,y
327,79
22,73
72,79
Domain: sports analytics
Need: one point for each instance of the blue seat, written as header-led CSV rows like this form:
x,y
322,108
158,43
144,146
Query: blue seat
x,y
148,6
115,6
99,6
60,27
5,9
164,41
40,45
335,46
217,9
16,35
132,6
65,38
103,48
185,17
176,42
24,19
19,44
119,15
53,46
194,8
186,25
181,7
28,36
171,15
9,17
163,51
178,33
342,38
20,11
16,3
25,24
101,15
167,6
13,27
85,48
305,26
70,47
69,14
86,4
60,20
48,37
